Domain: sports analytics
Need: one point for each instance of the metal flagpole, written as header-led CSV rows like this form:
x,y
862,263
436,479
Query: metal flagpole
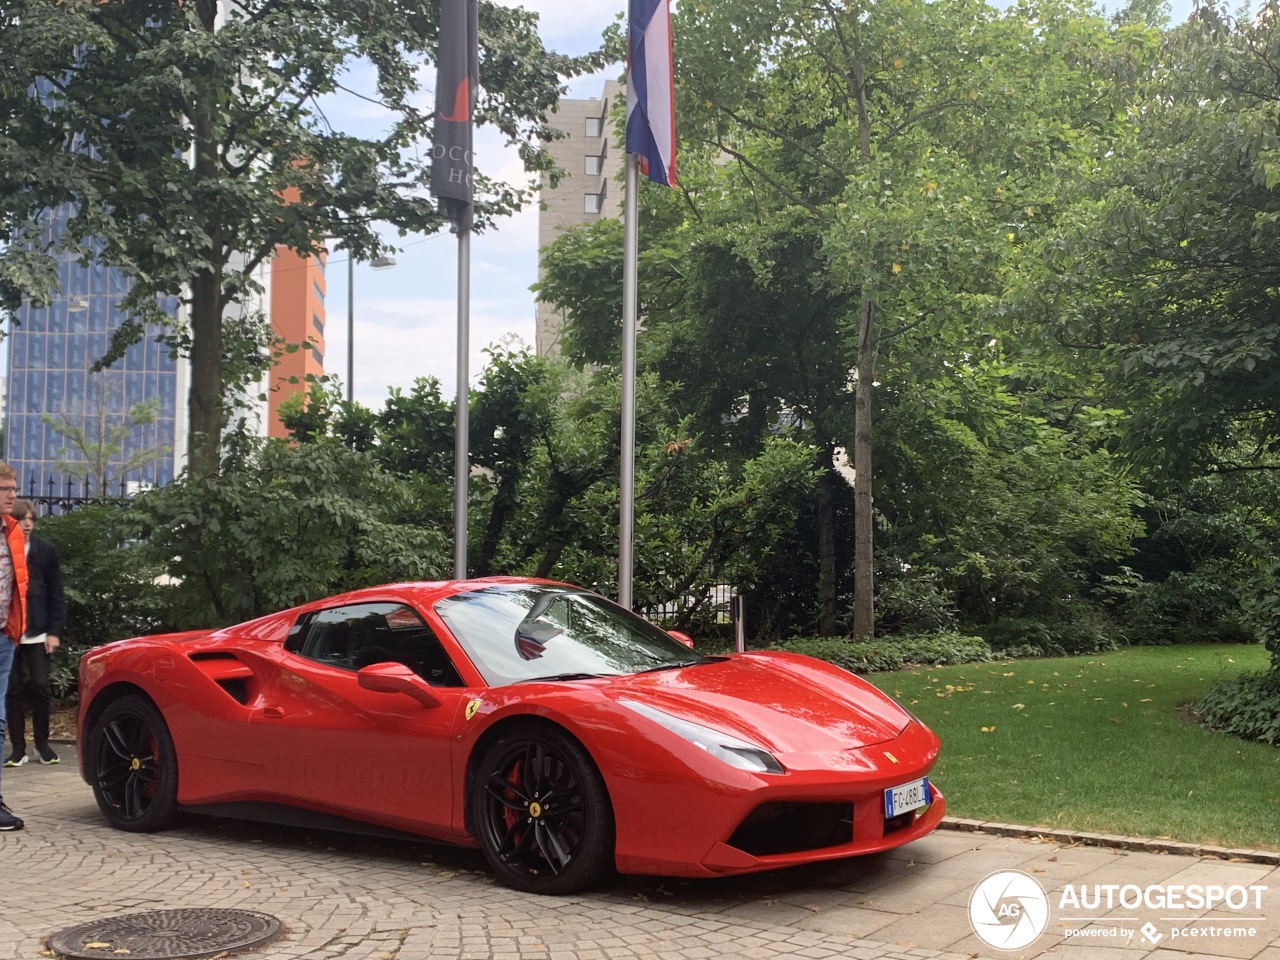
x,y
630,248
351,326
461,454
457,78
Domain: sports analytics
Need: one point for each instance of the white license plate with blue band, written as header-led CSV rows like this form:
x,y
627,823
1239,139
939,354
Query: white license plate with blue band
x,y
908,797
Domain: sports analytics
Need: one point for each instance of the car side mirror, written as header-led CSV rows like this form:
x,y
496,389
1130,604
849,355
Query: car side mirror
x,y
396,678
682,637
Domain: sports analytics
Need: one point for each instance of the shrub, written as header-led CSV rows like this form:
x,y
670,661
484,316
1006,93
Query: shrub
x,y
1201,606
915,603
896,653
1028,636
283,525
111,593
1247,707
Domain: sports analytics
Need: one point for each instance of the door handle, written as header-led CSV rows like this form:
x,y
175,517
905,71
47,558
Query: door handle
x,y
274,713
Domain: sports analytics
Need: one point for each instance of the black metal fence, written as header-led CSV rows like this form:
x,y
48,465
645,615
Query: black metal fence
x,y
57,498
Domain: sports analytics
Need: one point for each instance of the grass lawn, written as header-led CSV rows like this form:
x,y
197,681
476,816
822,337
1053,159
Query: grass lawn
x,y
1098,744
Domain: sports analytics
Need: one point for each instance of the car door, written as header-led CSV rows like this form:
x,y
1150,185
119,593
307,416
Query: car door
x,y
327,743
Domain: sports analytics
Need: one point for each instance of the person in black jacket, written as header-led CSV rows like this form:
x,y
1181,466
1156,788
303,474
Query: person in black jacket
x,y
46,620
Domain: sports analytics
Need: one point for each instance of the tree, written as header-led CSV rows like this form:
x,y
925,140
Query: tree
x,y
1010,514
97,437
861,181
1169,268
1168,271
282,525
545,450
175,132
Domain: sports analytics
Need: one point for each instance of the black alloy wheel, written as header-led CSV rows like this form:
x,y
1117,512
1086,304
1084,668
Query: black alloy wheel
x,y
134,767
542,812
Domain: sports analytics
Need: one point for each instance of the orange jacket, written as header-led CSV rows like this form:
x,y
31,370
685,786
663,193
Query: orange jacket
x,y
16,622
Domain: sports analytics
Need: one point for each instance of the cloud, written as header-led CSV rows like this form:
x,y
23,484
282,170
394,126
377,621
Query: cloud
x,y
574,26
399,339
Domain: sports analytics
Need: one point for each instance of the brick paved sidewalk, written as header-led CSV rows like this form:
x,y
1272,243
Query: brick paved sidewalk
x,y
348,897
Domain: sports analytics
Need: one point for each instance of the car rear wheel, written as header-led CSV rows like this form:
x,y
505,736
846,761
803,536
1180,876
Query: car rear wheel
x,y
543,815
134,767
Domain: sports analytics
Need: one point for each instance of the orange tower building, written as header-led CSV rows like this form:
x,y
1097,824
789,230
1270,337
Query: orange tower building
x,y
297,319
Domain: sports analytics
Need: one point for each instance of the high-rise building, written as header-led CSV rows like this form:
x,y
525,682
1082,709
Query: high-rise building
x,y
297,321
58,410
589,190
56,405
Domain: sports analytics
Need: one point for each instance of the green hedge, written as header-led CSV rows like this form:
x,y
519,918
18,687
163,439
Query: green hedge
x,y
891,653
1247,707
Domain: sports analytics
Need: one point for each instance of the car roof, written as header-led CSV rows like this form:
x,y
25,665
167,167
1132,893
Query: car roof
x,y
421,593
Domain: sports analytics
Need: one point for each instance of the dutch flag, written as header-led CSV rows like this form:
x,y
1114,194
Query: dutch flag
x,y
651,107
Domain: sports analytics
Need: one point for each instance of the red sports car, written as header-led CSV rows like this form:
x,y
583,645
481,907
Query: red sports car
x,y
560,733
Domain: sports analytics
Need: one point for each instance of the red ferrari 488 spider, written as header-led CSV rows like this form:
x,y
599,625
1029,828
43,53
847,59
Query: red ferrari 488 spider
x,y
558,732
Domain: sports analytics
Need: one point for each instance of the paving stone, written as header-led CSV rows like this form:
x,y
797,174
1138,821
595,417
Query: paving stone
x,y
360,899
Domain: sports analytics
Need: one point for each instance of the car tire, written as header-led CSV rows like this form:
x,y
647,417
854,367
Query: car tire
x,y
542,814
133,766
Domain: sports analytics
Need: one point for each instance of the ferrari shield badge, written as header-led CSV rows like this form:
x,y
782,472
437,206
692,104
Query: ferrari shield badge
x,y
472,707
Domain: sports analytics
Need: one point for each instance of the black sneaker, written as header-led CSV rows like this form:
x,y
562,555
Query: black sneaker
x,y
7,820
17,758
46,754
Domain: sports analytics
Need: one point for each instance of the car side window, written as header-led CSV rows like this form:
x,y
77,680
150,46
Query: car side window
x,y
362,634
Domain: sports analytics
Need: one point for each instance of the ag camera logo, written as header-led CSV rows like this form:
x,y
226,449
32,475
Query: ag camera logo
x,y
1008,910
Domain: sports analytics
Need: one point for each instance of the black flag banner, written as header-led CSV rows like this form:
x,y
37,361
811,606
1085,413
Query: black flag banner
x,y
457,77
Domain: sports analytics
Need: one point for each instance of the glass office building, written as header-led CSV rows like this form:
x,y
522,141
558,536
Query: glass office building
x,y
51,350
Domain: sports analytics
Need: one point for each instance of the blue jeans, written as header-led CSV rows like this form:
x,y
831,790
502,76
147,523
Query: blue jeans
x,y
7,648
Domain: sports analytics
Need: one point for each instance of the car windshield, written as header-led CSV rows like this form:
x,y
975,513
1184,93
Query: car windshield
x,y
515,633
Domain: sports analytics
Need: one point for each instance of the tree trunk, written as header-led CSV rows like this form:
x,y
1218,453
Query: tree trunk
x,y
205,415
206,419
864,562
827,609
864,570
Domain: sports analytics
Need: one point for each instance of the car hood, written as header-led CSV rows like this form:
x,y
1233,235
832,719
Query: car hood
x,y
785,703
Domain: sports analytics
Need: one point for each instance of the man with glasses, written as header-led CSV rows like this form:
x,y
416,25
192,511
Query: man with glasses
x,y
13,602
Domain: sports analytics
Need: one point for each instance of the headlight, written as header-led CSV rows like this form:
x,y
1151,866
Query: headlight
x,y
724,746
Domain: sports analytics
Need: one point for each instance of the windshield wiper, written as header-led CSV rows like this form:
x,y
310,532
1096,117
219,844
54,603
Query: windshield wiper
x,y
676,665
566,676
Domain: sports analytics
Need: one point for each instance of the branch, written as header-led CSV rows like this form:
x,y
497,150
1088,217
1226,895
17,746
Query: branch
x,y
1241,467
784,190
779,135
928,314
233,128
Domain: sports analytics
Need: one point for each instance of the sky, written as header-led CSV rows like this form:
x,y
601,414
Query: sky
x,y
406,317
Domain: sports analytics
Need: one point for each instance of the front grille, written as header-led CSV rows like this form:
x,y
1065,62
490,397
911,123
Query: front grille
x,y
791,827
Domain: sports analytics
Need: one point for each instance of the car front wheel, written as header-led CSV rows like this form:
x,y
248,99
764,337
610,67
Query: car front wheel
x,y
134,766
543,815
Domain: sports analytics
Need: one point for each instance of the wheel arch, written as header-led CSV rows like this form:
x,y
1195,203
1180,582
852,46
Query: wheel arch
x,y
109,695
501,728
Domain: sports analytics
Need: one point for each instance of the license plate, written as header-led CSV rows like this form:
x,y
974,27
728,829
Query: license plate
x,y
908,797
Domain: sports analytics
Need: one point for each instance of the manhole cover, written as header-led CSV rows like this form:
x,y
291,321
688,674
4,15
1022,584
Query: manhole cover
x,y
166,935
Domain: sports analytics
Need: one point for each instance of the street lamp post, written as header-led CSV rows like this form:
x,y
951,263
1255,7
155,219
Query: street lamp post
x,y
377,263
